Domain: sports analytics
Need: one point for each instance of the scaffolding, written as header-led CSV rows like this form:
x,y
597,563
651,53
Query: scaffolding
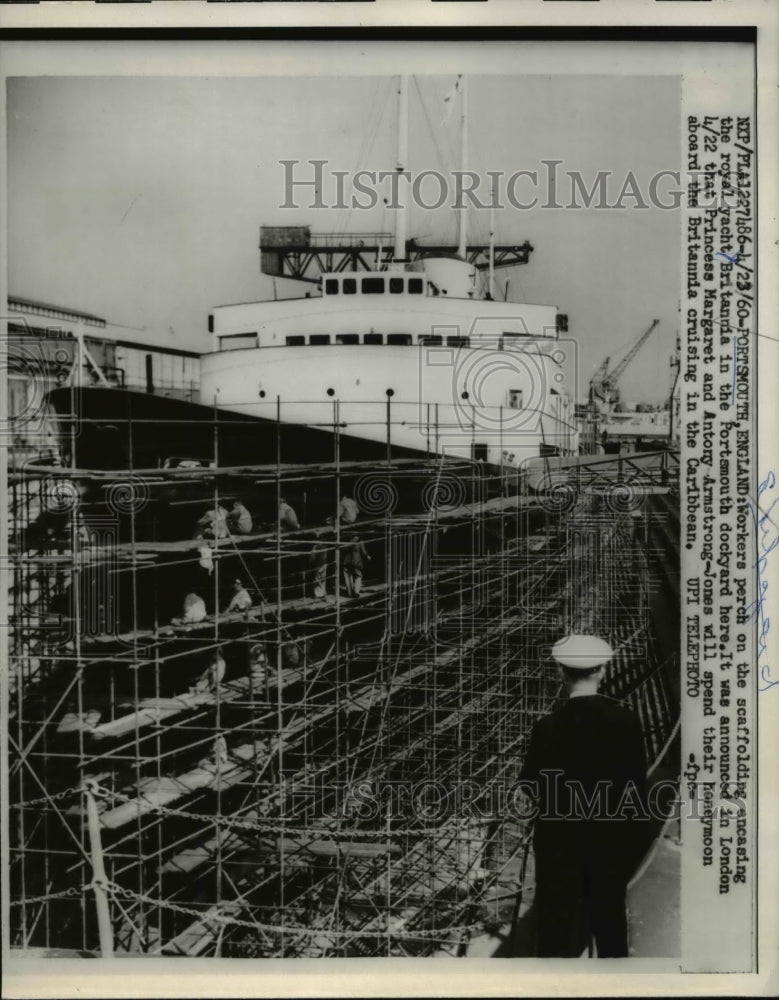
x,y
311,775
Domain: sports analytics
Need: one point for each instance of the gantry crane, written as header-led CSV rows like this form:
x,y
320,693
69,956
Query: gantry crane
x,y
604,384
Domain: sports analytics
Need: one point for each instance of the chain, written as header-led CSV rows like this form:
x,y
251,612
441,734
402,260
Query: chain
x,y
270,825
118,890
220,918
30,900
56,797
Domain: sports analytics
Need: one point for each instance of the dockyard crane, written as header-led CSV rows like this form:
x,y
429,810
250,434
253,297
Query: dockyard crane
x,y
604,384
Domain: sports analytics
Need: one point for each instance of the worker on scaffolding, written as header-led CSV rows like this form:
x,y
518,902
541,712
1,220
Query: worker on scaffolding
x,y
288,519
213,524
258,668
193,612
241,599
212,676
353,556
318,564
239,520
347,510
586,770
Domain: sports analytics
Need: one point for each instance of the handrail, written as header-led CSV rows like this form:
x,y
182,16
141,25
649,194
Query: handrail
x,y
345,240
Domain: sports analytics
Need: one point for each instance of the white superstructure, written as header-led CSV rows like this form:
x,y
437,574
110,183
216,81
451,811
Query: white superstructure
x,y
452,373
409,353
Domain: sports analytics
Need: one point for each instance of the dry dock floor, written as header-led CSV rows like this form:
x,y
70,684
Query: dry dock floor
x,y
653,910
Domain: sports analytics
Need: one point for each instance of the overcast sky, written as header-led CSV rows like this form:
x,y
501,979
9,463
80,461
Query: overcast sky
x,y
140,199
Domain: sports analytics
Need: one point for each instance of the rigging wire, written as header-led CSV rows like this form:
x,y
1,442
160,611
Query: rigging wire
x,y
376,115
451,224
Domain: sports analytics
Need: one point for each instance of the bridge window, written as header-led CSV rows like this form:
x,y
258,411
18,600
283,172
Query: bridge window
x,y
458,341
295,341
396,286
319,339
515,399
350,286
403,339
479,452
331,286
431,340
347,338
373,338
373,286
237,341
415,286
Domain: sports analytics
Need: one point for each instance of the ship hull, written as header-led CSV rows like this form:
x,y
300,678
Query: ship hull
x,y
120,429
501,407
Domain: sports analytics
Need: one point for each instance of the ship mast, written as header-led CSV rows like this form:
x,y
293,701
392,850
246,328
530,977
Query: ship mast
x,y
491,284
399,253
463,216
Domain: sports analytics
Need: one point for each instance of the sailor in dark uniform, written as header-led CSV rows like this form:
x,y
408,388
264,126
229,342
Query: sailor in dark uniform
x,y
586,762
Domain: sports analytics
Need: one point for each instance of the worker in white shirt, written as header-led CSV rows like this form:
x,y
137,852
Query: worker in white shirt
x,y
288,519
241,599
194,611
347,510
213,524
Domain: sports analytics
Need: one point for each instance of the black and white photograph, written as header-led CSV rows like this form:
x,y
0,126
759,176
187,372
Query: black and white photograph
x,y
388,542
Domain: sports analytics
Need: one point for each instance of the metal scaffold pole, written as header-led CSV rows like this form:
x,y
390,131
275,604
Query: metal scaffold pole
x,y
99,879
241,783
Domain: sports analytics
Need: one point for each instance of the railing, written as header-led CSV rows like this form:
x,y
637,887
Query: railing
x,y
639,470
319,240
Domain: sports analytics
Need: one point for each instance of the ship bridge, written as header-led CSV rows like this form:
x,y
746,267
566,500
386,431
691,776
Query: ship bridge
x,y
382,309
296,252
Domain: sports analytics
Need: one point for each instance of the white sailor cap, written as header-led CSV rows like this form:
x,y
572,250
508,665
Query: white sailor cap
x,y
582,652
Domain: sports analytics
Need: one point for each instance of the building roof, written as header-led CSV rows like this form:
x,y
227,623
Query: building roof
x,y
64,311
122,336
